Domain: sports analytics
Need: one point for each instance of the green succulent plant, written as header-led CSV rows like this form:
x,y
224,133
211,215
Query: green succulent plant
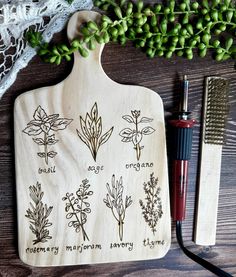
x,y
159,30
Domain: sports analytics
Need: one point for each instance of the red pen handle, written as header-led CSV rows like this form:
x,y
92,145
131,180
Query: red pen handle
x,y
181,153
179,189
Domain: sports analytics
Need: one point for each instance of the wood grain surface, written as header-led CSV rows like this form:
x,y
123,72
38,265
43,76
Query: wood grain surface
x,y
128,66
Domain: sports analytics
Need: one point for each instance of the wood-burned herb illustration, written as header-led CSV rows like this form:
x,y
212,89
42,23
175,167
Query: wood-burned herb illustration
x,y
45,124
38,214
135,135
91,131
114,201
77,208
151,206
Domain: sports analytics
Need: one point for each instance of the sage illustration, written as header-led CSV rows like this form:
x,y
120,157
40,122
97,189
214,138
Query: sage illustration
x,y
38,214
91,131
151,206
114,201
45,124
77,208
135,135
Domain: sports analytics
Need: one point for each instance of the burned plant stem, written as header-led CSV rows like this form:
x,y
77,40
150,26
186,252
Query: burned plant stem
x,y
137,147
46,148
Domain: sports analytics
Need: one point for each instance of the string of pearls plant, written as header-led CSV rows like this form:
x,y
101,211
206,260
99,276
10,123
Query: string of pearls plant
x,y
159,30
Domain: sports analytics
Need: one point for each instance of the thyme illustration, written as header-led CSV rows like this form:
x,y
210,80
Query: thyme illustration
x,y
45,124
38,214
136,135
77,208
114,201
91,131
152,209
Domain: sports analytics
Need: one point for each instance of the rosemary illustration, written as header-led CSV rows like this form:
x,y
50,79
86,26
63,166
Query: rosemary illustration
x,y
45,124
77,208
91,131
38,214
114,201
136,134
152,208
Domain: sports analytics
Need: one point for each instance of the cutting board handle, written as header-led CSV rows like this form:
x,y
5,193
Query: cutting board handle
x,y
73,31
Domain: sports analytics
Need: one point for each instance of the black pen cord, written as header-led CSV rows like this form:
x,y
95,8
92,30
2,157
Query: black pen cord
x,y
214,269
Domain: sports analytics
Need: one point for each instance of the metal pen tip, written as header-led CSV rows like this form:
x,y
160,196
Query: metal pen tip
x,y
184,100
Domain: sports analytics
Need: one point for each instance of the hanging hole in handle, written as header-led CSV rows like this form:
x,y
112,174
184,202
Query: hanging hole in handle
x,y
77,21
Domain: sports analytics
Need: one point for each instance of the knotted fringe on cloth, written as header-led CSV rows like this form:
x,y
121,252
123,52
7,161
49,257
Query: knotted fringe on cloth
x,y
16,17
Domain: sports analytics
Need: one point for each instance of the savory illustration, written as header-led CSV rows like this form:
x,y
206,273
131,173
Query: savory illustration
x,y
115,202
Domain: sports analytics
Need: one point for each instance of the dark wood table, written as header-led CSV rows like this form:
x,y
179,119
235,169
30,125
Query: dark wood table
x,y
128,65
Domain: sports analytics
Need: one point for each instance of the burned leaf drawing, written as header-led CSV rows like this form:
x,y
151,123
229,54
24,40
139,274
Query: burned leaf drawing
x,y
114,201
45,125
151,206
77,208
135,135
38,214
91,131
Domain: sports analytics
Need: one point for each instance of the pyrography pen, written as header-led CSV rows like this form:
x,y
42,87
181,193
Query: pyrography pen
x,y
182,131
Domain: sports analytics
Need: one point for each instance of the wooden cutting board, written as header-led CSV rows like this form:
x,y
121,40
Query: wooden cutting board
x,y
91,169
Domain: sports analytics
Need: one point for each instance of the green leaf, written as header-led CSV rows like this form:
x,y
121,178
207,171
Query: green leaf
x,y
229,43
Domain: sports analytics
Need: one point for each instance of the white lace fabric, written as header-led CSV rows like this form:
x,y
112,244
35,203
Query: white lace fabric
x,y
16,17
